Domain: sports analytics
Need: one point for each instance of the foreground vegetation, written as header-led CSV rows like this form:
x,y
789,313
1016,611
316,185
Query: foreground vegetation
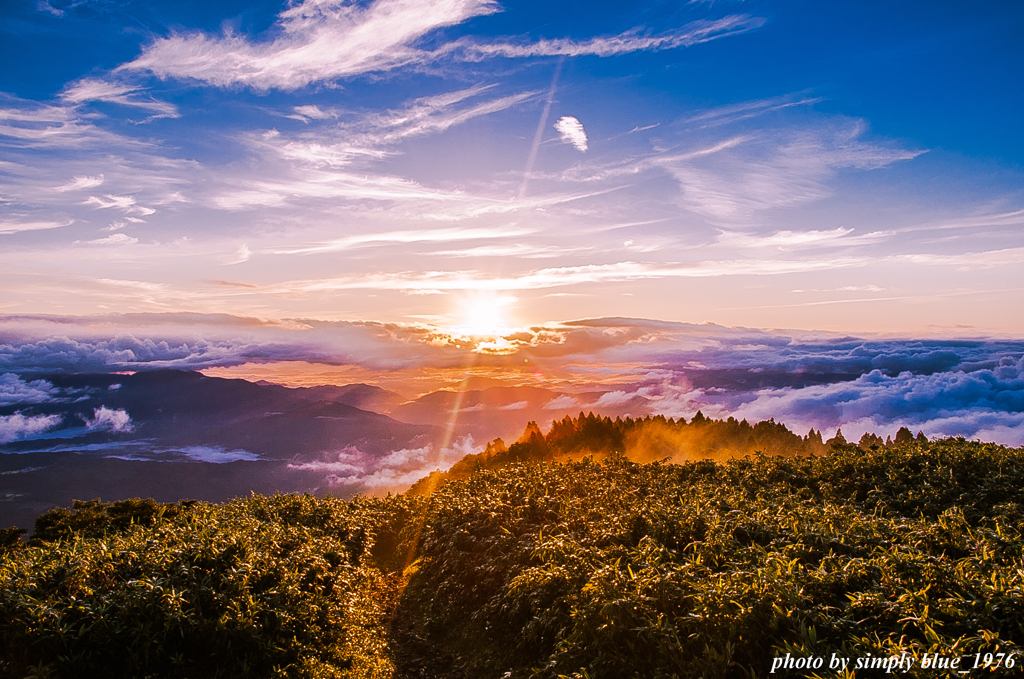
x,y
577,569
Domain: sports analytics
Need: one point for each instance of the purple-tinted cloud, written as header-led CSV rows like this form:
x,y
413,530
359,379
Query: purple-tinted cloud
x,y
986,404
353,469
969,387
18,426
14,390
113,420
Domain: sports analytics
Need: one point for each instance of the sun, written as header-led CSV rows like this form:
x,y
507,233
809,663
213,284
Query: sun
x,y
484,315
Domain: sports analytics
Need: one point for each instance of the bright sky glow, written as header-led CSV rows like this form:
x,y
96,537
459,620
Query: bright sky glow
x,y
484,315
851,166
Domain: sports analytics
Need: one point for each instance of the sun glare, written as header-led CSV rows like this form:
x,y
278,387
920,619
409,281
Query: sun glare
x,y
484,315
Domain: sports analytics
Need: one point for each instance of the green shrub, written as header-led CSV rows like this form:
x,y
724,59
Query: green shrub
x,y
266,586
607,569
703,569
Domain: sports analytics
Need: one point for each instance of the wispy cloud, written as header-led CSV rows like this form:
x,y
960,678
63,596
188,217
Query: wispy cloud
x,y
748,109
45,6
8,227
374,135
316,40
792,240
565,276
435,114
94,89
80,183
115,239
968,260
984,220
791,169
1012,218
329,185
334,161
734,180
635,166
124,203
521,250
322,40
31,124
312,112
634,41
396,237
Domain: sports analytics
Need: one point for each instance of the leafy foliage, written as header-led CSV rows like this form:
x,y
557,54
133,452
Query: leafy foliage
x,y
583,568
645,439
703,569
267,586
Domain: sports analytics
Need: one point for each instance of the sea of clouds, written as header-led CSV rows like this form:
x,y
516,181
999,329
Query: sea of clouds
x,y
963,386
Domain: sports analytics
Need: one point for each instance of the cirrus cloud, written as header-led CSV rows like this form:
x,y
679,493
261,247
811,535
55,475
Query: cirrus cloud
x,y
323,40
317,40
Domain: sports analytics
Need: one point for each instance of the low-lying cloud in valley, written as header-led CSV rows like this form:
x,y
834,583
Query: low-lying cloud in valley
x,y
950,387
19,426
354,470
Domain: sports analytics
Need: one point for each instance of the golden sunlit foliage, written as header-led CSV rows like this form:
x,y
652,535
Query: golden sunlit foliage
x,y
647,439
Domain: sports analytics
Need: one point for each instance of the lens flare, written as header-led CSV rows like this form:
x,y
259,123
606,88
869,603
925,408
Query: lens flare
x,y
484,315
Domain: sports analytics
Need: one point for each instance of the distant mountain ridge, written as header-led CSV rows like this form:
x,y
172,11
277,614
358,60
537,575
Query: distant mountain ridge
x,y
171,434
179,408
362,396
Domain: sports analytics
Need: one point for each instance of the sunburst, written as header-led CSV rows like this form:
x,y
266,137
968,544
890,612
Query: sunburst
x,y
484,314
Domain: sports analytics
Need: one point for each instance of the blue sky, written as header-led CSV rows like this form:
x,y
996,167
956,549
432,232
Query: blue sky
x,y
848,166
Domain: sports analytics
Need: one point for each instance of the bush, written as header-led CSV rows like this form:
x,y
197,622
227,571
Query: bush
x,y
704,569
266,586
580,569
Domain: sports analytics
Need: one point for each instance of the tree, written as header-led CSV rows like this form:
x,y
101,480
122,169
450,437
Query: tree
x,y
837,440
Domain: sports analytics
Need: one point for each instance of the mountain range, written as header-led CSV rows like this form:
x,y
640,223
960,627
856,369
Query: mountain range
x,y
172,434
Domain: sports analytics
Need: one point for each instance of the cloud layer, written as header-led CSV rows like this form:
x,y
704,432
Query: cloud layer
x,y
985,404
352,469
947,387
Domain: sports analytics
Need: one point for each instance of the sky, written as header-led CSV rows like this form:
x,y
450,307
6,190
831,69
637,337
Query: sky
x,y
802,210
854,167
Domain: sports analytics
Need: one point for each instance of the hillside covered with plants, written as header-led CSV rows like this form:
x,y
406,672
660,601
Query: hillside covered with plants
x,y
651,439
584,568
